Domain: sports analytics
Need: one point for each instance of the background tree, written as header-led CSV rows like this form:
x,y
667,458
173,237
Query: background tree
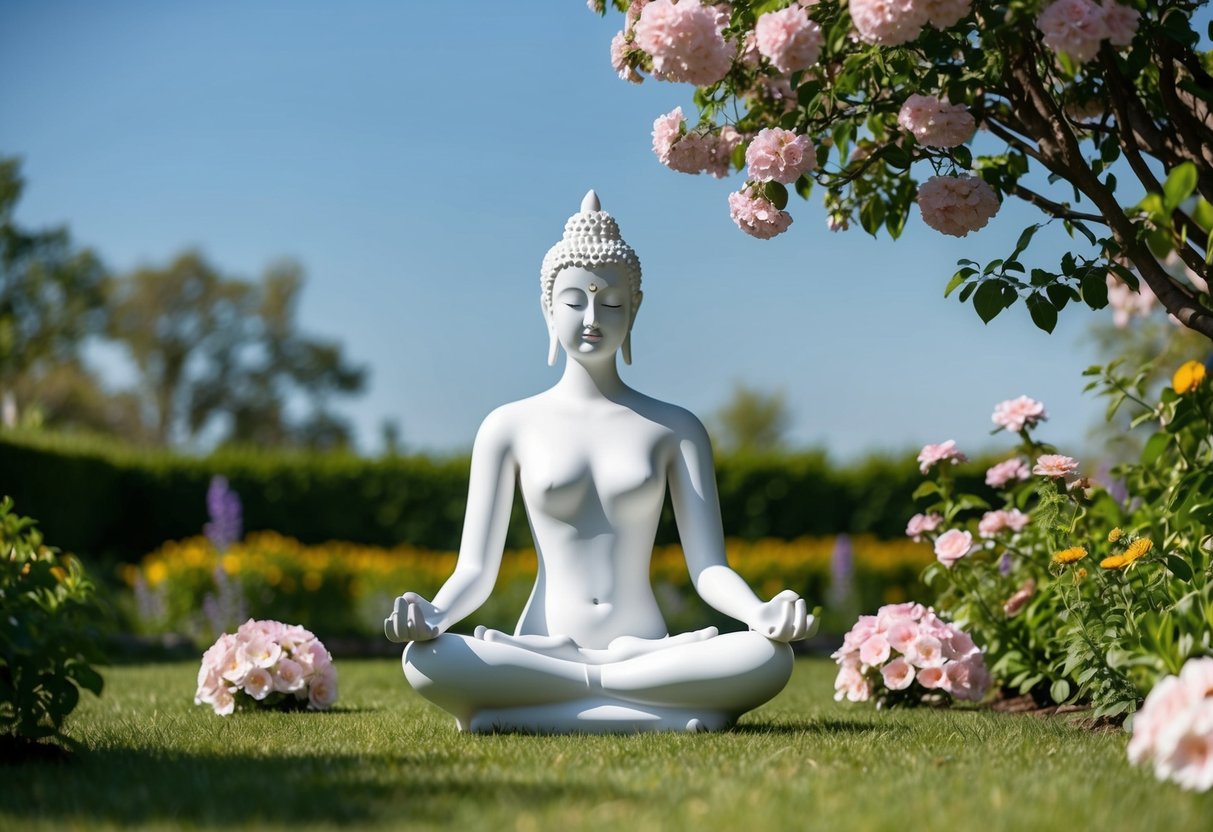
x,y
50,301
219,355
1071,95
752,420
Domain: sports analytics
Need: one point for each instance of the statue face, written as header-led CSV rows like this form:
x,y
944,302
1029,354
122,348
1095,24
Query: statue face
x,y
591,310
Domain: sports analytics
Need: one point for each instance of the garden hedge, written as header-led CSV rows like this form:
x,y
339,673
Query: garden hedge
x,y
102,499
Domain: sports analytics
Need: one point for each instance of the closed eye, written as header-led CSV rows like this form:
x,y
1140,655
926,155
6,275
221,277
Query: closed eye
x,y
613,305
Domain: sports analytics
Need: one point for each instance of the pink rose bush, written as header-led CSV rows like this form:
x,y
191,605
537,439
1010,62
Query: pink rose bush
x,y
788,39
921,524
992,523
756,215
685,41
1077,27
956,205
894,22
1010,470
936,123
1173,731
777,155
907,655
1017,414
689,152
930,455
1054,466
266,663
953,545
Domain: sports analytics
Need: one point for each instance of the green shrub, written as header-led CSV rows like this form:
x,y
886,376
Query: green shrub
x,y
46,618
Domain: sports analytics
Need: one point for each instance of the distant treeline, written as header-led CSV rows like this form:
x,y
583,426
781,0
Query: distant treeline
x,y
107,501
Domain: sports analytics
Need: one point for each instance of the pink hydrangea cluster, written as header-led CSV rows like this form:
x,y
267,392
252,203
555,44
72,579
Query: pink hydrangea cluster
x,y
267,663
1017,414
621,49
1054,466
936,123
788,39
894,22
953,545
1006,471
921,524
994,522
956,205
1174,728
685,41
905,654
757,216
1077,27
693,152
778,155
943,452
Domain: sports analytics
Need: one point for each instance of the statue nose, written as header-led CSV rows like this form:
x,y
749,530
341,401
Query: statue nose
x,y
591,315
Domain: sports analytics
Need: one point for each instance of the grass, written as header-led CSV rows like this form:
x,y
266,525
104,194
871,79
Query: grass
x,y
149,758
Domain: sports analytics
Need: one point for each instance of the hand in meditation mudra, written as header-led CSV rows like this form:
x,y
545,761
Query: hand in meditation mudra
x,y
594,458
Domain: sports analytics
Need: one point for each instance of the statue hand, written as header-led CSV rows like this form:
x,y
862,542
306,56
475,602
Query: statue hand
x,y
413,619
784,618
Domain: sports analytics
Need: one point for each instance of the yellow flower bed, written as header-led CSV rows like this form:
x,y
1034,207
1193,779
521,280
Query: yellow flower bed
x,y
347,588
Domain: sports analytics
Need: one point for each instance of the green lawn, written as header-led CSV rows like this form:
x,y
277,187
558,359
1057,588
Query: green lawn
x,y
386,759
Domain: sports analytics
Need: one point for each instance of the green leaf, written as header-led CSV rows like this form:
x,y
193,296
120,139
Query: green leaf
x,y
1154,448
1044,315
987,300
957,279
1179,185
1095,288
1179,567
1060,691
776,194
967,291
87,678
1060,295
804,186
871,215
926,489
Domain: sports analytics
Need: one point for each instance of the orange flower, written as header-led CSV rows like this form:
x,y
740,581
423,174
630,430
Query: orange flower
x,y
1188,377
1137,549
1070,555
1114,562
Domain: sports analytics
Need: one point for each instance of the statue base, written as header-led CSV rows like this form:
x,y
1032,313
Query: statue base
x,y
595,716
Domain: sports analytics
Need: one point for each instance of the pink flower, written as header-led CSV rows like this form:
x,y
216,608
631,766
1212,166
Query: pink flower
x,y
952,546
685,41
322,690
1126,303
944,14
956,205
1121,22
789,39
888,22
967,679
1011,469
851,684
925,651
261,651
920,524
1185,750
958,644
897,674
258,683
777,155
1015,604
932,677
907,609
943,452
756,216
619,52
1017,414
936,123
902,634
288,676
1166,704
1054,466
993,522
676,149
223,702
720,151
874,651
1074,27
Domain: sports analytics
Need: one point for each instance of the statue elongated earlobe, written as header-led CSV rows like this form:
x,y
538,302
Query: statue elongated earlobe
x,y
553,347
627,348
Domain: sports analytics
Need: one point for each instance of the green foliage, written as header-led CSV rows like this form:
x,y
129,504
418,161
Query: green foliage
x,y
1102,594
752,420
47,622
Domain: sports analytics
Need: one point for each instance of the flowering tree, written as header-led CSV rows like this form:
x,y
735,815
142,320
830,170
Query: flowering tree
x,y
989,99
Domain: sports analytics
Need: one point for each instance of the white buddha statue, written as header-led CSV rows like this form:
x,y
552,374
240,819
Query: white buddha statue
x,y
594,459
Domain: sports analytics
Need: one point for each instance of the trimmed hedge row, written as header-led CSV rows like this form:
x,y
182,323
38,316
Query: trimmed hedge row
x,y
104,500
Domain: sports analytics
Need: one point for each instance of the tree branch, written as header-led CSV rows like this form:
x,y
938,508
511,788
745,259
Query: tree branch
x,y
1055,209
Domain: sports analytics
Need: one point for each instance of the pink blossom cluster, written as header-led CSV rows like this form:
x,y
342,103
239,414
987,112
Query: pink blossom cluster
x,y
1054,466
943,452
908,651
267,662
621,49
994,522
1017,414
788,39
1006,471
693,152
757,216
921,524
1174,728
894,22
685,41
1077,27
936,123
778,155
956,205
1126,303
953,545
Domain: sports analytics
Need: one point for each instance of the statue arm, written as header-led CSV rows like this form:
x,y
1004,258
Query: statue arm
x,y
697,512
486,520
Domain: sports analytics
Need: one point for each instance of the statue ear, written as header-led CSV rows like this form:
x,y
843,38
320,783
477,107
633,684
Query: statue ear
x,y
553,343
627,339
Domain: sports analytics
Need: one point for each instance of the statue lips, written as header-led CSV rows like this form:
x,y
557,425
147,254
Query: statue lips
x,y
592,336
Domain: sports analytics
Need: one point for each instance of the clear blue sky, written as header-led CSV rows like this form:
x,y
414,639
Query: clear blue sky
x,y
418,159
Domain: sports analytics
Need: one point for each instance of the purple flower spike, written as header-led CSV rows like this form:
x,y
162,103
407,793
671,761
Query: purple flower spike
x,y
226,517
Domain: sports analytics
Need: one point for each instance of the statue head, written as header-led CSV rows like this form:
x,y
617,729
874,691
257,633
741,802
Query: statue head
x,y
591,240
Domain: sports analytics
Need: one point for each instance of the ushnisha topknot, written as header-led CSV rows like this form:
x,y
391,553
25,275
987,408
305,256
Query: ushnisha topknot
x,y
591,239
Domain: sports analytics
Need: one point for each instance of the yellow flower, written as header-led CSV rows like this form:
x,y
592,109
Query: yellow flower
x,y
1070,555
156,572
1136,550
1114,535
59,573
1114,562
1188,377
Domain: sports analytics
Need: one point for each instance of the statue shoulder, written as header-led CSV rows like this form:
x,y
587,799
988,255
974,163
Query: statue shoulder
x,y
682,423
